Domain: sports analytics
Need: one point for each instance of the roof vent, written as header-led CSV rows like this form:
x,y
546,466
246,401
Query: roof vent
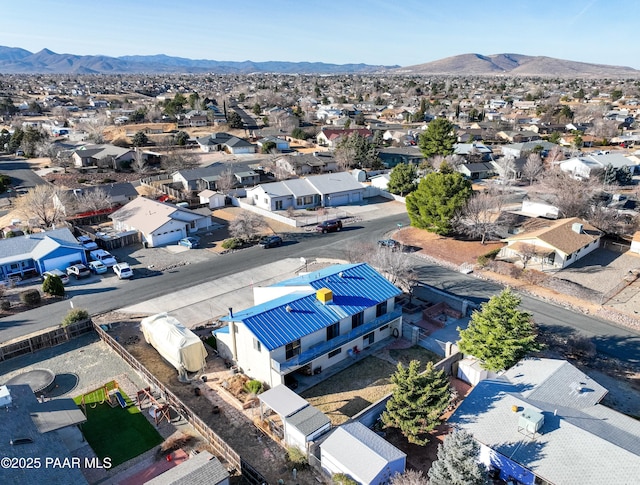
x,y
289,309
340,274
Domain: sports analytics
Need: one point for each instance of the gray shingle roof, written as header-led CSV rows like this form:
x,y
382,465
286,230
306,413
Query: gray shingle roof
x,y
580,441
202,469
17,423
308,420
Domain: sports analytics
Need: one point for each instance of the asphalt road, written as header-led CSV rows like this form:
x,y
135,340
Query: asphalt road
x,y
21,173
609,339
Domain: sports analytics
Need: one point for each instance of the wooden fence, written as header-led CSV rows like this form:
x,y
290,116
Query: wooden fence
x,y
218,446
43,340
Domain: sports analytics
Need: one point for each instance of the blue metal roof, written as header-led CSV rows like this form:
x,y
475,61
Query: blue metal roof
x,y
355,288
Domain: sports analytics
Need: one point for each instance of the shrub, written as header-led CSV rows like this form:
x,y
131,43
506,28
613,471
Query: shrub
x,y
82,181
30,297
10,234
5,305
482,260
492,254
253,386
232,243
296,457
75,315
108,181
53,286
342,479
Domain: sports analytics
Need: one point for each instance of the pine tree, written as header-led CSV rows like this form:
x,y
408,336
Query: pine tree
x,y
439,196
457,462
499,334
438,138
402,179
418,401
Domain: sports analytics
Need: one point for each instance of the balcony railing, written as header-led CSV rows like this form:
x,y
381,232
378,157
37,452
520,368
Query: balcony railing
x,y
323,348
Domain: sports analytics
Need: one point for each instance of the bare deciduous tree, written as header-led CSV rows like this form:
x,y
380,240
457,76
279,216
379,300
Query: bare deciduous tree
x,y
506,169
572,197
533,168
479,216
226,182
44,203
92,200
246,225
556,154
139,163
410,477
179,160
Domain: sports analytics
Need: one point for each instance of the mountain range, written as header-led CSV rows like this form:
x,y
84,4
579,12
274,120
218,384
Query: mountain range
x,y
15,60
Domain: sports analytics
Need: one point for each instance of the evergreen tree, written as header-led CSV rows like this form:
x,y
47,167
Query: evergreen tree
x,y
624,176
402,179
457,462
234,120
418,401
609,175
499,334
140,139
52,285
438,138
356,151
439,196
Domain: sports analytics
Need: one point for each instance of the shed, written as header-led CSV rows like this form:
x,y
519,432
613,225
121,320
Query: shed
x,y
305,425
355,450
182,348
213,199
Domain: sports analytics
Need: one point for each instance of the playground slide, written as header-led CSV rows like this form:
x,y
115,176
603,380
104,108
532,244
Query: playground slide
x,y
120,399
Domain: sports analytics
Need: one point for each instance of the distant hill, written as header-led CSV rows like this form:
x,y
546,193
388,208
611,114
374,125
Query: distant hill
x,y
18,61
517,65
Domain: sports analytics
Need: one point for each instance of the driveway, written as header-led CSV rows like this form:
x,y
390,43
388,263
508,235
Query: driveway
x,y
602,271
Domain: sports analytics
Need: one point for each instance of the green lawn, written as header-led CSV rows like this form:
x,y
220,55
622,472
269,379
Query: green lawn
x,y
117,433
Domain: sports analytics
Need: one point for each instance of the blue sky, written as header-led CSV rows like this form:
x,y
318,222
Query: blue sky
x,y
405,33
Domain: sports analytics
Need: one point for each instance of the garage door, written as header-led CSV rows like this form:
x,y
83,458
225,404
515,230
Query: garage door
x,y
61,262
170,237
339,200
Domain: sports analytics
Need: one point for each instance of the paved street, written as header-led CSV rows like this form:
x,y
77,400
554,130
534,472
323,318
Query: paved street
x,y
113,294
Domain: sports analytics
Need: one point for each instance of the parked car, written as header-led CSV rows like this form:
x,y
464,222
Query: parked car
x,y
78,271
104,256
87,243
189,242
390,244
97,267
56,272
270,241
123,270
329,226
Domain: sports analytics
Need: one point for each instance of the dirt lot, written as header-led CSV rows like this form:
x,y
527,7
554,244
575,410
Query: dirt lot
x,y
445,249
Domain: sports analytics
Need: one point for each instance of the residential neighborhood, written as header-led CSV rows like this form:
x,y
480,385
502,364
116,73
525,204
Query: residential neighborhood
x,y
349,274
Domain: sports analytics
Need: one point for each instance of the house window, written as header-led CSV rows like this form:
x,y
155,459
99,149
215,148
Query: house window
x,y
308,199
384,327
333,353
257,345
298,201
369,338
333,331
192,224
357,320
381,309
278,205
292,349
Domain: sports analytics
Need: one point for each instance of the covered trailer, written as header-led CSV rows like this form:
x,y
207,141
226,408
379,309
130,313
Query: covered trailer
x,y
182,348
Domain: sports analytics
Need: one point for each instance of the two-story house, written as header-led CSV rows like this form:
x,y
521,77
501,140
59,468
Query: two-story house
x,y
310,322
